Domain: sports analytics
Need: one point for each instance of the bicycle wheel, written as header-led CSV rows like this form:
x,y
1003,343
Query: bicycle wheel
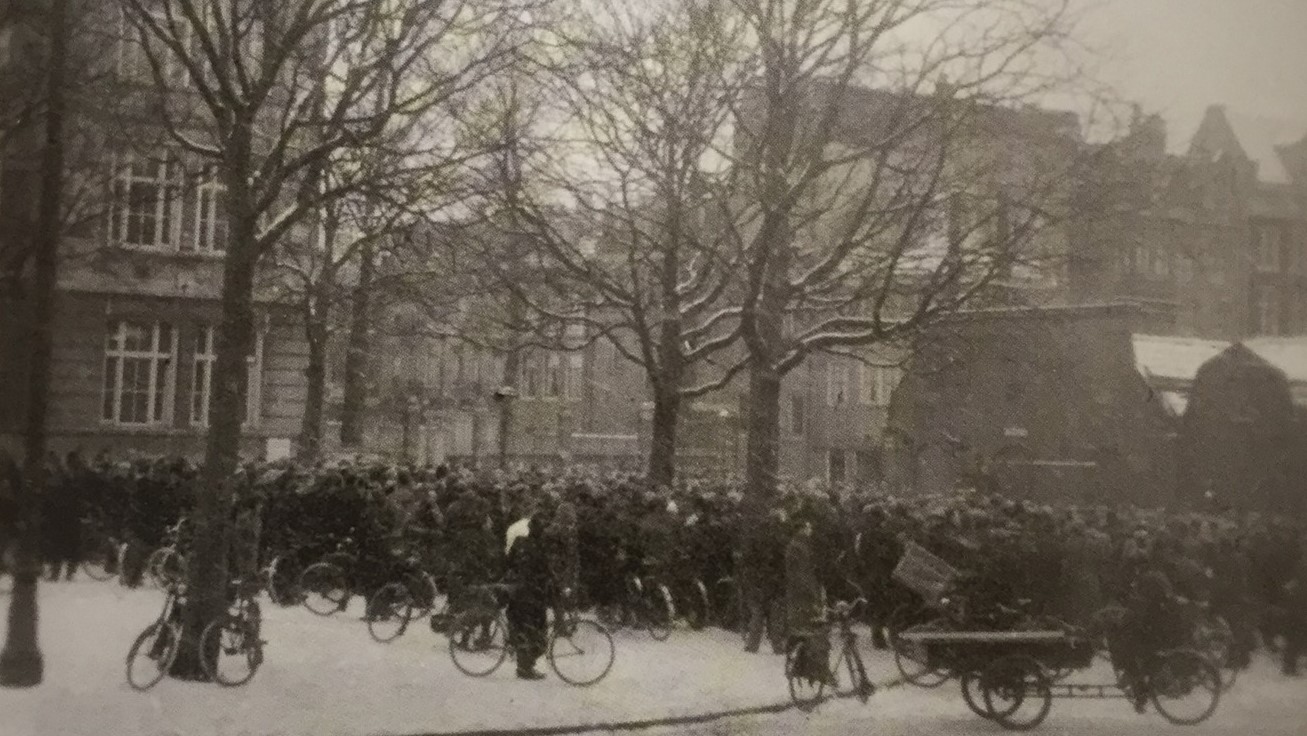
x,y
1016,691
912,658
324,588
422,589
101,563
152,655
1185,686
283,576
805,692
389,611
659,613
169,568
695,606
581,652
478,644
231,650
1214,639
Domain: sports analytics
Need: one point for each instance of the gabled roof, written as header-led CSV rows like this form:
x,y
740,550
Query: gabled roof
x,y
1268,142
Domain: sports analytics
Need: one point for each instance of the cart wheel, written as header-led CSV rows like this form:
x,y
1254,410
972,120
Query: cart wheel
x,y
911,658
1016,692
973,695
804,691
1185,686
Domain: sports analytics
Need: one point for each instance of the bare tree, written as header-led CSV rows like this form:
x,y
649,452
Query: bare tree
x,y
645,101
268,92
879,195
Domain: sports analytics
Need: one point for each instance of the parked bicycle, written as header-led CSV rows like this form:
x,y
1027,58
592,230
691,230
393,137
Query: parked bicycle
x,y
155,649
232,645
103,558
579,650
389,607
807,685
166,565
647,605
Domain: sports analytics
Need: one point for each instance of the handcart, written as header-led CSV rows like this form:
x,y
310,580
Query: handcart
x,y
1009,676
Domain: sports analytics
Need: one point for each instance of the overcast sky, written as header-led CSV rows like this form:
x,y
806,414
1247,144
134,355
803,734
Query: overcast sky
x,y
1179,56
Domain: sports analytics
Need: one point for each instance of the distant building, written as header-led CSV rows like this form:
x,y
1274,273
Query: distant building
x,y
1215,236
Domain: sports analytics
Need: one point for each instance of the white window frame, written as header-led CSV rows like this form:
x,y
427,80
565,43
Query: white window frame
x,y
167,204
206,355
162,366
1268,311
555,377
575,376
837,380
209,232
1268,254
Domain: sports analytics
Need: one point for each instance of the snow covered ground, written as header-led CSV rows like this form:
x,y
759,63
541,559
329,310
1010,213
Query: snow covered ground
x,y
326,677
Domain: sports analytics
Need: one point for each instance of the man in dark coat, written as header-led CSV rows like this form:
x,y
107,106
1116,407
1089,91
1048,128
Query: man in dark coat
x,y
803,602
529,577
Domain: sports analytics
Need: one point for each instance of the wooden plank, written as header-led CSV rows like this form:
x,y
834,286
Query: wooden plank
x,y
982,637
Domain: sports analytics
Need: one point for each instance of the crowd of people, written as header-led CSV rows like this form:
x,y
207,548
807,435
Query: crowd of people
x,y
596,529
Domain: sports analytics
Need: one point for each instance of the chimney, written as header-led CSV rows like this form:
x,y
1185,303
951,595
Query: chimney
x,y
1148,134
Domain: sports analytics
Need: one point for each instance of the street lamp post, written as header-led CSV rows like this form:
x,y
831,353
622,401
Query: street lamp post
x,y
504,396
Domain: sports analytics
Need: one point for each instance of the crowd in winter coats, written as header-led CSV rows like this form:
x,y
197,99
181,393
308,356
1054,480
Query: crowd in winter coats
x,y
602,528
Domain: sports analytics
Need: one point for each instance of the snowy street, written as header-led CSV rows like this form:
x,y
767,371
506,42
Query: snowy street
x,y
326,677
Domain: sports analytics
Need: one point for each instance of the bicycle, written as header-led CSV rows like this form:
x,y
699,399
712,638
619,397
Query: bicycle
x,y
104,559
166,565
579,650
328,585
155,649
805,689
235,635
647,605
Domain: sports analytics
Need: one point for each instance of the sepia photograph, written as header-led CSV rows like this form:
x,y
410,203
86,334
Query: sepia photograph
x,y
653,367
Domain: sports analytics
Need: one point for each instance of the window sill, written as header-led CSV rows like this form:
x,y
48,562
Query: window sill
x,y
169,252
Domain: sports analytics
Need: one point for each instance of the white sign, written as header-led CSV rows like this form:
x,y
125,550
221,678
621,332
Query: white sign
x,y
1016,432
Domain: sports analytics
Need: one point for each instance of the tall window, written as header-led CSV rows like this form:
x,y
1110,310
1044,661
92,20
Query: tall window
x,y
575,376
202,375
878,384
146,203
837,378
210,218
1268,311
1268,241
555,380
139,373
797,414
204,358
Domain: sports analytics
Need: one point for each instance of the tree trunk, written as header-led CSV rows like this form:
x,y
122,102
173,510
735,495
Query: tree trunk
x,y
762,469
315,374
21,663
662,437
354,402
207,557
